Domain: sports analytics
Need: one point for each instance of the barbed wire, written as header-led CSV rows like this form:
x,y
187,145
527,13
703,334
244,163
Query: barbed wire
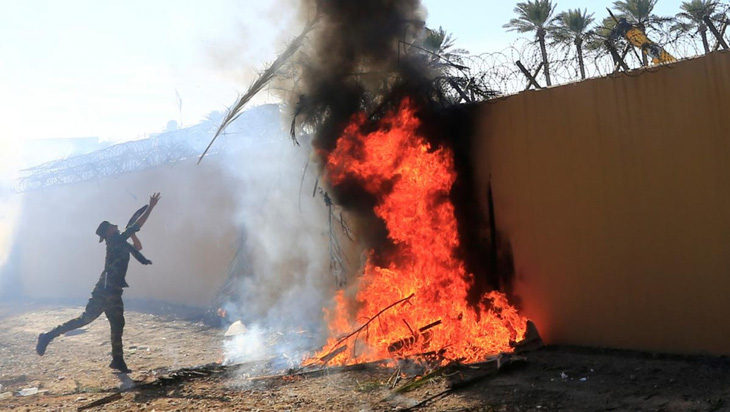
x,y
500,72
169,147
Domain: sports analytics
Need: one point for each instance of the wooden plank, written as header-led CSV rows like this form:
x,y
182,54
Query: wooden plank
x,y
530,77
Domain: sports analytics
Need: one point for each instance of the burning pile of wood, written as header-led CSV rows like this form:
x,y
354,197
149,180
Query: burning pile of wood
x,y
413,304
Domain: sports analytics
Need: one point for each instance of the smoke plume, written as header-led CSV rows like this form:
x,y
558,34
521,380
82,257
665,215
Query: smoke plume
x,y
365,56
356,54
9,210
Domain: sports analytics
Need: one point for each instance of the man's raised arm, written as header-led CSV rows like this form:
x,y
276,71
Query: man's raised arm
x,y
153,202
135,241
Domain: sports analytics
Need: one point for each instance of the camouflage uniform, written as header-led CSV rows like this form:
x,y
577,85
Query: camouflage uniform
x,y
107,295
109,302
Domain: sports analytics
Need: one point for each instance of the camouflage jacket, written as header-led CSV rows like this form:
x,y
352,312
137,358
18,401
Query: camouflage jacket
x,y
117,260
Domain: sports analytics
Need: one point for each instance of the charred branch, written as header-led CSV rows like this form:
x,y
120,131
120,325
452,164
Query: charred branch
x,y
456,374
103,401
358,330
321,371
328,357
420,381
422,335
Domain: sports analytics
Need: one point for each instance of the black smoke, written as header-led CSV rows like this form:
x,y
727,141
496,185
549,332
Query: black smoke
x,y
364,57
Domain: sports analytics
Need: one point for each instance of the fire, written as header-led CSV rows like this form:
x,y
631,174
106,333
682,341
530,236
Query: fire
x,y
417,303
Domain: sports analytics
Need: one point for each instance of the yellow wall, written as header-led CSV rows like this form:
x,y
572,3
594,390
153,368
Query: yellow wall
x,y
615,196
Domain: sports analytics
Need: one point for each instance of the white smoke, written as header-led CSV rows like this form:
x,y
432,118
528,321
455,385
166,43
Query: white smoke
x,y
283,275
9,208
265,199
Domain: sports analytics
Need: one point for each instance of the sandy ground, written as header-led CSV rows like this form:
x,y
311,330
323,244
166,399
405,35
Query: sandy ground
x,y
74,373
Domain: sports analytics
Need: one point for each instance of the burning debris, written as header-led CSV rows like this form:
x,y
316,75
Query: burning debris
x,y
364,92
409,181
361,78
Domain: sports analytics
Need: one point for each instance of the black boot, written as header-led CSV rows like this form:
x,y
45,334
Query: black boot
x,y
43,340
119,364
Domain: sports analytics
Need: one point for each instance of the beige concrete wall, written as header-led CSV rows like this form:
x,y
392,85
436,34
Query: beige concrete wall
x,y
189,237
615,195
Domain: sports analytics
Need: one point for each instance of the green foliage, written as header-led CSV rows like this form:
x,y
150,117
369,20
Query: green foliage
x,y
635,11
691,19
693,12
640,13
440,44
572,25
532,16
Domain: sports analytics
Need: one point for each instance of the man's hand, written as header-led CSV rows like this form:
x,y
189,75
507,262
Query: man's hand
x,y
154,199
146,262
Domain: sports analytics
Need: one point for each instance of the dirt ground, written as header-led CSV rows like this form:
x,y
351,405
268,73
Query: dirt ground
x,y
74,373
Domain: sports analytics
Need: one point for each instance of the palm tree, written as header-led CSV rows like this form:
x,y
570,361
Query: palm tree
x,y
572,27
453,79
639,13
602,32
440,45
692,18
534,16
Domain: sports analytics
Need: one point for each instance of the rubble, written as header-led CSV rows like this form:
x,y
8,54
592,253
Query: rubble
x,y
27,391
508,382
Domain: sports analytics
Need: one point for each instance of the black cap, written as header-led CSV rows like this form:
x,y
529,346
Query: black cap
x,y
102,229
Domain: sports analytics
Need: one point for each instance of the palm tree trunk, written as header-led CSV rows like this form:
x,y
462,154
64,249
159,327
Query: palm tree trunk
x,y
543,50
579,50
703,34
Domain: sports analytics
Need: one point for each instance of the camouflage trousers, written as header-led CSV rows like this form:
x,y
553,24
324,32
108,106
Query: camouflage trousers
x,y
108,302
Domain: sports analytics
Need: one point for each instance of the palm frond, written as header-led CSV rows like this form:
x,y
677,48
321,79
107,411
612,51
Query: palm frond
x,y
532,16
235,111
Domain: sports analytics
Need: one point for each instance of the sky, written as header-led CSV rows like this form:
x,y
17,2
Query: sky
x,y
121,70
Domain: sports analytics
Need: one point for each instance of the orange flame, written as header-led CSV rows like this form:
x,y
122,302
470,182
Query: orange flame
x,y
412,182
